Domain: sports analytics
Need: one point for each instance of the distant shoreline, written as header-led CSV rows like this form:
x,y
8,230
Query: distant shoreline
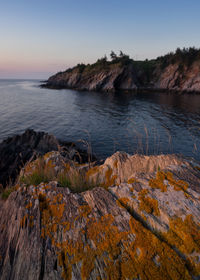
x,y
138,90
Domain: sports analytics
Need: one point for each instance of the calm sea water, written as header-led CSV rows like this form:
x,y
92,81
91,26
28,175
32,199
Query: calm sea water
x,y
143,123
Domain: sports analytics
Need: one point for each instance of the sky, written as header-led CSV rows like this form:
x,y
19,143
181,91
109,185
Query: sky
x,y
42,37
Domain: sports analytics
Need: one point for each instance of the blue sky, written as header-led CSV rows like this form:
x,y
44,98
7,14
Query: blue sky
x,y
41,37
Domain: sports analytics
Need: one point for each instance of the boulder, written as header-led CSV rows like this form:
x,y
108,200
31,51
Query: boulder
x,y
143,224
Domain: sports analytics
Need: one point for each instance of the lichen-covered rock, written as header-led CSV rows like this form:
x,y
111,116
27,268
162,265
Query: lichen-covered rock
x,y
122,167
142,222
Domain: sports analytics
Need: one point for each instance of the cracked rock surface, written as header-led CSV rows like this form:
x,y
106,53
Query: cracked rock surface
x,y
140,221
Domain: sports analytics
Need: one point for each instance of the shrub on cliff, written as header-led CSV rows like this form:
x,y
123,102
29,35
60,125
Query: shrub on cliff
x,y
186,56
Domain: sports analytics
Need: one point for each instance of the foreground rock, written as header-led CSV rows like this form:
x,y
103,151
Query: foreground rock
x,y
16,151
141,222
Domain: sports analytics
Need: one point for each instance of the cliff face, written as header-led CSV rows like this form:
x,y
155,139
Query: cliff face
x,y
131,75
139,219
96,78
174,77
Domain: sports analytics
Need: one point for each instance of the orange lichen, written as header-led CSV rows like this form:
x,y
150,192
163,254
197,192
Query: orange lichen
x,y
119,203
123,201
66,226
132,180
184,234
57,210
29,205
84,210
136,256
115,164
140,257
124,255
31,221
158,182
23,221
148,204
178,185
109,179
91,172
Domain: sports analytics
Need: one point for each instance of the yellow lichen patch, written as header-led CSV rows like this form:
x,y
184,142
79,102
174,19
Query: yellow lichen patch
x,y
123,201
66,226
178,185
63,262
185,236
58,198
91,172
106,239
148,204
52,216
124,255
84,210
136,257
139,257
27,220
109,178
29,205
158,182
115,164
132,180
119,204
31,221
23,221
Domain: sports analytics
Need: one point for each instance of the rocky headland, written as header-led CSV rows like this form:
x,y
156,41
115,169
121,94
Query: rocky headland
x,y
174,72
131,217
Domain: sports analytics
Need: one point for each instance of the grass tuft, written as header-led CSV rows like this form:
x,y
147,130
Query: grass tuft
x,y
72,178
5,194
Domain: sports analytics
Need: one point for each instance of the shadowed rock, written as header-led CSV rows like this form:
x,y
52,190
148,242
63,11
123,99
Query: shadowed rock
x,y
16,151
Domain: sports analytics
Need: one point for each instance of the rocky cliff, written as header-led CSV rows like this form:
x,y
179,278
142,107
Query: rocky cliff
x,y
133,217
174,72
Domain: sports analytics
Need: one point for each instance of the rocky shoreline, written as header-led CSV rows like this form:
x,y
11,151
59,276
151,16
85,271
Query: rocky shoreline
x,y
175,73
130,217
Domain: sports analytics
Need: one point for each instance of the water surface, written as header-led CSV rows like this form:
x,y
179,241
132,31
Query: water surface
x,y
144,123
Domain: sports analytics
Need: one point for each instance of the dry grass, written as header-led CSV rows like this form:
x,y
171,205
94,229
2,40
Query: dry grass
x,y
6,192
73,178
